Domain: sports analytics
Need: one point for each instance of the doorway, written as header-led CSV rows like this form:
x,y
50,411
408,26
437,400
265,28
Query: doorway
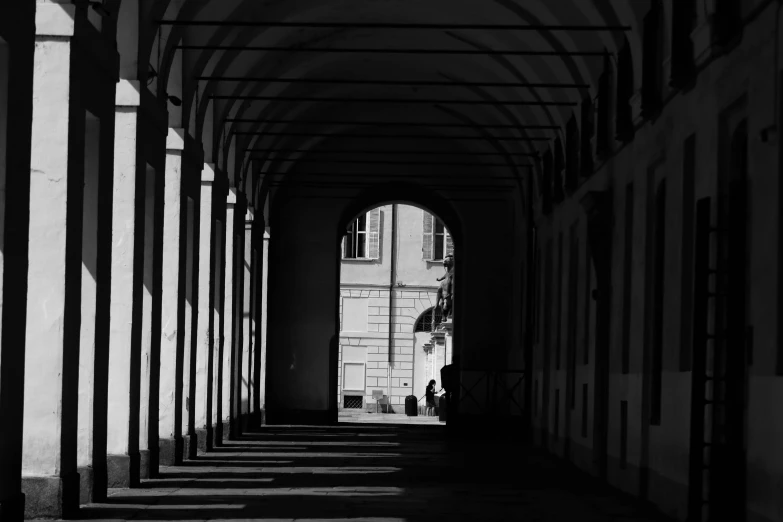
x,y
393,337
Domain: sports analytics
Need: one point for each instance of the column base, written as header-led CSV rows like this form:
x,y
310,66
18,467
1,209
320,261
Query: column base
x,y
201,442
99,492
233,429
170,451
189,446
51,497
218,434
122,471
144,464
86,484
12,508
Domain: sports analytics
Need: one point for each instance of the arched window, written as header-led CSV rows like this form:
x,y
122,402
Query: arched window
x,y
429,320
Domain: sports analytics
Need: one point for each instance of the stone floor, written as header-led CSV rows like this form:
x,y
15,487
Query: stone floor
x,y
367,472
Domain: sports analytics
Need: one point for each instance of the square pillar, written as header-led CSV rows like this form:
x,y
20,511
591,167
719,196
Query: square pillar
x,y
50,480
149,367
216,327
259,402
172,335
127,274
190,322
248,327
203,342
227,326
17,31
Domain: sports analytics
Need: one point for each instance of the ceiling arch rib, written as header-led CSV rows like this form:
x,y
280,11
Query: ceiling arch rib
x,y
198,23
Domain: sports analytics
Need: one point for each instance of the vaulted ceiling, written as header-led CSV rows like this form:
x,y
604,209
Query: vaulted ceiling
x,y
459,82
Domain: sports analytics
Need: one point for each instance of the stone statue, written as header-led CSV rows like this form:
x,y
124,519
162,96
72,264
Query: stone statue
x,y
445,299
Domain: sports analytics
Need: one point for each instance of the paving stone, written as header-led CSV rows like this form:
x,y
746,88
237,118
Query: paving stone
x,y
367,472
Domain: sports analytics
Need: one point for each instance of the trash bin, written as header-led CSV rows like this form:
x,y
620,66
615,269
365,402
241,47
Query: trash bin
x,y
442,404
411,406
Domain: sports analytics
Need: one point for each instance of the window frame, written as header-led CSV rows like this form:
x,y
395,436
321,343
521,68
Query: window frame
x,y
353,234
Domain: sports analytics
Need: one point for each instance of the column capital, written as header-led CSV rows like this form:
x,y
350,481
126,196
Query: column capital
x,y
208,173
249,217
175,140
55,19
128,92
231,198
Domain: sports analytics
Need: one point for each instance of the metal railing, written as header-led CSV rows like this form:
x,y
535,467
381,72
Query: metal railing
x,y
499,388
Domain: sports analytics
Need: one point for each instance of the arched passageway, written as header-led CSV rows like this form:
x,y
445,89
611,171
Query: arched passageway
x,y
176,177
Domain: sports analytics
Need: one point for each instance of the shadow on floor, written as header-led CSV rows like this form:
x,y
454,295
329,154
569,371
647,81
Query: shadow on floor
x,y
400,473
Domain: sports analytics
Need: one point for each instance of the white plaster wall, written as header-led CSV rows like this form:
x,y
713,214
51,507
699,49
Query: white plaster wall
x,y
746,71
46,271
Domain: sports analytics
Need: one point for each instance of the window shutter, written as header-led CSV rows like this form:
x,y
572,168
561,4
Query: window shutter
x,y
374,233
449,244
428,230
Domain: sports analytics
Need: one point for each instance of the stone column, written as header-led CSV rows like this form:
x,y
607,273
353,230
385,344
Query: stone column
x,y
17,27
216,331
127,261
203,345
248,327
227,341
172,338
49,477
260,365
190,342
150,334
89,304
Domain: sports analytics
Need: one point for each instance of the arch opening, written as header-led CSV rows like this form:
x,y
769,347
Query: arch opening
x,y
394,330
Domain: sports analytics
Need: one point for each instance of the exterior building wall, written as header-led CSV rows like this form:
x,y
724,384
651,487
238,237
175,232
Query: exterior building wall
x,y
730,87
367,326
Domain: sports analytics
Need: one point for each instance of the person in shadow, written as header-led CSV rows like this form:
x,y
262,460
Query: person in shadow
x,y
430,399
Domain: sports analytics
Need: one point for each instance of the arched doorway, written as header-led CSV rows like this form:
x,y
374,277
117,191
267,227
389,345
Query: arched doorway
x,y
391,263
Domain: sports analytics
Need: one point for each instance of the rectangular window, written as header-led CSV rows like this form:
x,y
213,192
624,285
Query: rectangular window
x,y
651,62
362,239
627,278
353,376
436,241
684,17
659,286
688,233
355,314
355,243
573,310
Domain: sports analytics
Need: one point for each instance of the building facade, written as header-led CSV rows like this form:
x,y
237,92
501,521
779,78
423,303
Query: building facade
x,y
391,259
